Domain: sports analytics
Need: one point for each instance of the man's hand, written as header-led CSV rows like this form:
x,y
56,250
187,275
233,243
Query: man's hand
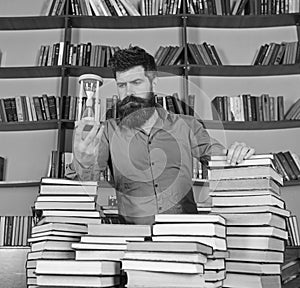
x,y
86,143
238,152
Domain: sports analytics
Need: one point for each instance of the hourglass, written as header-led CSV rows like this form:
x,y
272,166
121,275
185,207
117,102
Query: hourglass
x,y
89,89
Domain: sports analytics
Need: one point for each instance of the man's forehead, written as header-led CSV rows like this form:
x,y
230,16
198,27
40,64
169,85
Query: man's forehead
x,y
130,74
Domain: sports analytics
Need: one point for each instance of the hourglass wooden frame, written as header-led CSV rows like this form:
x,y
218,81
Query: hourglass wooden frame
x,y
99,82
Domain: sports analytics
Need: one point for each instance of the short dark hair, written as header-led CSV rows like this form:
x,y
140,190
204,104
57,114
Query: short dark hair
x,y
125,59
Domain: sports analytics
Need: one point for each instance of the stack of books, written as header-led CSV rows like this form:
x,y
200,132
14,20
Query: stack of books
x,y
165,264
248,197
64,208
108,241
209,230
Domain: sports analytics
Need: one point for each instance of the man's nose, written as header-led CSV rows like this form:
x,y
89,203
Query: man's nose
x,y
129,90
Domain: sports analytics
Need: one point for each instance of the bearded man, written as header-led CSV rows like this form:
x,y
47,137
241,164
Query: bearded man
x,y
149,150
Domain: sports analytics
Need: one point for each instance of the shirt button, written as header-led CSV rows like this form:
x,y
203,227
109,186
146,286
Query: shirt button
x,y
156,185
159,208
149,142
152,163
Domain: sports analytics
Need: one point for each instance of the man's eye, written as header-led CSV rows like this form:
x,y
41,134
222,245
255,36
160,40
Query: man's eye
x,y
121,85
138,82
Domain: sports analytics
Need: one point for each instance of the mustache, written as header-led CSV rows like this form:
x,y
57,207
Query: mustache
x,y
132,99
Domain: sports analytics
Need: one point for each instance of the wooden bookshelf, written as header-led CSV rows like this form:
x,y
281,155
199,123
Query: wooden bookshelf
x,y
251,125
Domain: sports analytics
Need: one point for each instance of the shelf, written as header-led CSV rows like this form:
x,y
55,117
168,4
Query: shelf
x,y
32,22
243,70
29,125
144,22
15,247
30,72
106,72
126,22
292,183
250,125
242,21
10,184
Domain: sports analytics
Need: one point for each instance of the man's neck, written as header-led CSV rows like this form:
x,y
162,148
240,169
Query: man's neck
x,y
150,122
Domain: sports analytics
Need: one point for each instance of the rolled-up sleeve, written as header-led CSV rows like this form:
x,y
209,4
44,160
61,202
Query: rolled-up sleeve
x,y
202,145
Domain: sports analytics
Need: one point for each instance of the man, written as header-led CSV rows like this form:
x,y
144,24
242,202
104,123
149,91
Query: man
x,y
149,150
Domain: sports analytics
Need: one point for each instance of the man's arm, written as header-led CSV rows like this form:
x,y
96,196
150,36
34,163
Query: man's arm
x,y
203,146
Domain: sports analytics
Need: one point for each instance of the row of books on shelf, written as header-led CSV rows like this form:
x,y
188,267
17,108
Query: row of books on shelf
x,y
293,231
83,54
247,107
200,54
24,108
277,53
47,107
288,165
96,55
168,7
15,230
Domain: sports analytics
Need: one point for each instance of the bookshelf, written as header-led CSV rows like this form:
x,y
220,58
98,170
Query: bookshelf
x,y
28,145
236,38
225,32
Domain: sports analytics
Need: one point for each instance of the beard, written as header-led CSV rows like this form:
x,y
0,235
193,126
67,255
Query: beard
x,y
134,111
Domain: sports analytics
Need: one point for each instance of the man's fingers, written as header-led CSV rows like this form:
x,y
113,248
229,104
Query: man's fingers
x,y
231,152
238,152
250,152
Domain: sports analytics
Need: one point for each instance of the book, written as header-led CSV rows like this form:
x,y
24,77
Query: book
x,y
234,280
243,193
119,230
293,165
77,281
2,168
98,246
251,209
183,246
86,254
255,160
68,189
155,279
257,256
162,266
71,213
76,268
187,218
68,198
253,268
69,219
286,165
215,242
68,205
261,219
109,239
255,200
244,184
191,257
263,231
50,245
244,173
196,229
255,242
51,255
